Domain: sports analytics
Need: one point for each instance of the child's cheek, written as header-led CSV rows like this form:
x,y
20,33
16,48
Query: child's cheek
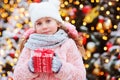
x,y
38,30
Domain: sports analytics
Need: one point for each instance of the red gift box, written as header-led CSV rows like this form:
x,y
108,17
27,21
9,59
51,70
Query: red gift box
x,y
42,60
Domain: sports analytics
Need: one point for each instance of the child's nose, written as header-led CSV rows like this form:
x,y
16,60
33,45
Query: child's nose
x,y
44,26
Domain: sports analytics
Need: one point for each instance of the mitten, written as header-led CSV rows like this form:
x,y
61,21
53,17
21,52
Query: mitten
x,y
30,65
56,64
71,29
28,32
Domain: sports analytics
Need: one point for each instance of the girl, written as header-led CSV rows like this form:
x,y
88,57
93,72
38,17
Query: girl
x,y
49,32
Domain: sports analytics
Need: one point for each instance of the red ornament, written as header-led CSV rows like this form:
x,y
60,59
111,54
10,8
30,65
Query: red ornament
x,y
15,37
84,40
86,9
74,10
109,45
101,20
106,74
119,56
12,54
113,78
99,25
37,1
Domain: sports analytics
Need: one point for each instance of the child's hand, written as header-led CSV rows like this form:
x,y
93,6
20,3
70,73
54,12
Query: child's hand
x,y
56,64
71,30
28,32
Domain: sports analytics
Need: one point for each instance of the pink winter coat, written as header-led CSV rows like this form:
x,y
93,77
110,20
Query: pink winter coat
x,y
72,65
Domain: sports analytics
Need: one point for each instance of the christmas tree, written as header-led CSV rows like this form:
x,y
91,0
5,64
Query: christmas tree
x,y
98,22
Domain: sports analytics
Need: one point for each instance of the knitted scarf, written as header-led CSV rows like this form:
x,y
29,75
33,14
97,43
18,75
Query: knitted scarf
x,y
46,41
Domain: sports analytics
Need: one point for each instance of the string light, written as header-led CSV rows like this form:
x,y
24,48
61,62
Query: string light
x,y
11,9
11,2
73,21
97,1
87,35
96,65
118,78
76,2
16,17
107,12
26,14
92,28
92,1
16,55
66,3
22,15
0,33
26,21
19,25
106,60
67,18
86,65
101,31
6,6
102,8
115,26
18,1
62,5
117,0
3,75
118,8
84,23
105,48
109,3
0,68
5,1
70,1
22,10
88,54
12,64
63,14
14,5
15,60
2,52
85,58
101,73
118,50
117,17
104,37
30,24
81,6
4,15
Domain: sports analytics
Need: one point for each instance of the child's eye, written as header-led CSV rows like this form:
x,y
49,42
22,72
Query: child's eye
x,y
48,21
39,23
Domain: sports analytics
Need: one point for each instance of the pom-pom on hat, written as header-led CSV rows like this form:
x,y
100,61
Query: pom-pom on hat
x,y
48,8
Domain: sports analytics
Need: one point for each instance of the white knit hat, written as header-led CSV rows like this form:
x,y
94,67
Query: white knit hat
x,y
45,9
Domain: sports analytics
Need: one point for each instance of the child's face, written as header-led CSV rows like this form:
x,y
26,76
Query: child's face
x,y
46,25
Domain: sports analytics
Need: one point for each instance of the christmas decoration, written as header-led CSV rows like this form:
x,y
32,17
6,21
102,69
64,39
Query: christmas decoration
x,y
86,9
37,1
99,25
91,46
92,15
107,24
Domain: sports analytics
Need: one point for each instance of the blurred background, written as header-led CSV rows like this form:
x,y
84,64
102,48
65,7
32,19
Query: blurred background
x,y
98,22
